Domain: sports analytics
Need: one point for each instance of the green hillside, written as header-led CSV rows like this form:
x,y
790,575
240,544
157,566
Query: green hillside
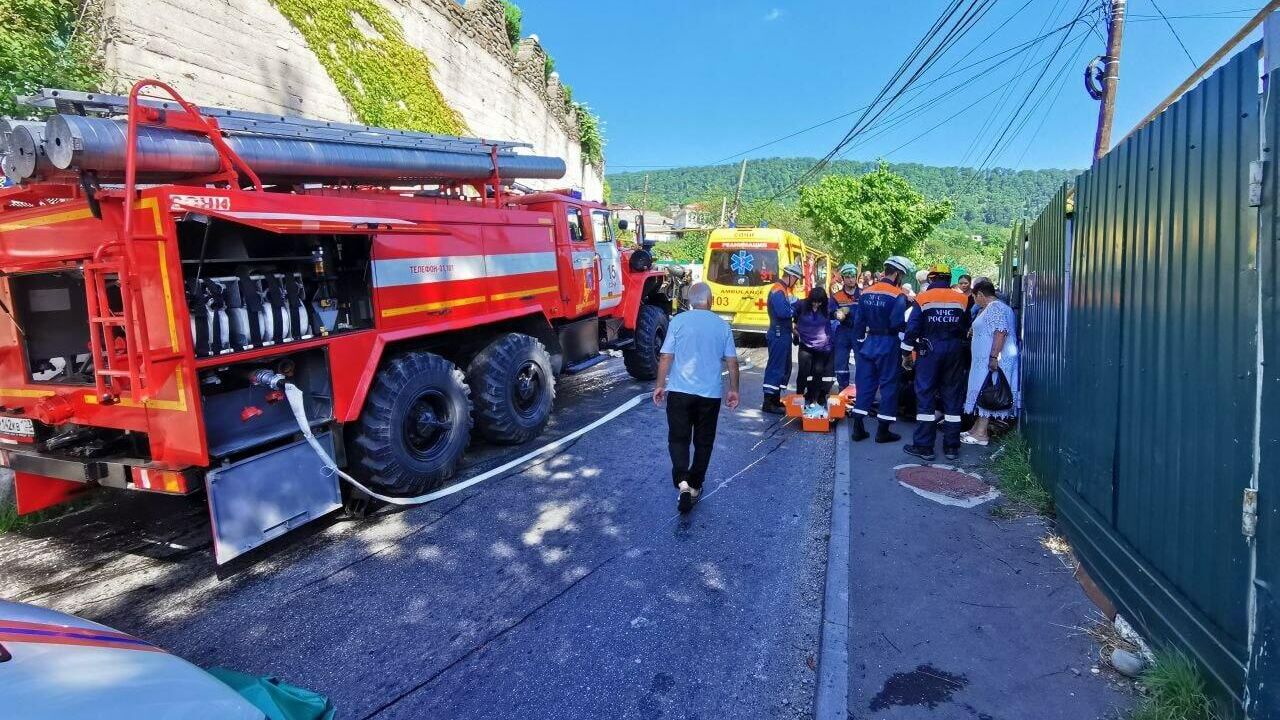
x,y
986,203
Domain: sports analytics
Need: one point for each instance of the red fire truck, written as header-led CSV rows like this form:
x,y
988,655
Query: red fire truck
x,y
254,306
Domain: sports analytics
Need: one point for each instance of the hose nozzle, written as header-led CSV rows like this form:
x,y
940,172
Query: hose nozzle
x,y
266,377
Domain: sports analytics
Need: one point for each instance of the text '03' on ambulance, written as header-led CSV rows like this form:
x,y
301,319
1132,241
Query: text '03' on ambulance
x,y
741,264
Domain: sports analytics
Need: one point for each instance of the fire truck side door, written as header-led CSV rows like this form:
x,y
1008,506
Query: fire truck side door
x,y
610,259
582,294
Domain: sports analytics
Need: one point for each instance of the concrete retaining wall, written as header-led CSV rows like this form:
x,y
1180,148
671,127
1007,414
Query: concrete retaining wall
x,y
244,54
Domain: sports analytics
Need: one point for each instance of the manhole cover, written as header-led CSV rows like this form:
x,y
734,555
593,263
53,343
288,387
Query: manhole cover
x,y
945,485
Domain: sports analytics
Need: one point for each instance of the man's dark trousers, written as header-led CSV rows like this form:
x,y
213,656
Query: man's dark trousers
x,y
691,418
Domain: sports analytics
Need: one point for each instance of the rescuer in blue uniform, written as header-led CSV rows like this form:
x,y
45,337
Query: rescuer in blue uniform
x,y
877,327
936,333
777,371
844,300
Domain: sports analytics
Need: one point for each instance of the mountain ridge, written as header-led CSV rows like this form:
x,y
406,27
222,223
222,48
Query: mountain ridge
x,y
986,202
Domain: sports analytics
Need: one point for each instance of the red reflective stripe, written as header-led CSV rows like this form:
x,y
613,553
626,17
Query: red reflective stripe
x,y
14,631
69,628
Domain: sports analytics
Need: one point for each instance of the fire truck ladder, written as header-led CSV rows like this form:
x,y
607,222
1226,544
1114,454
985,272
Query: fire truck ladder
x,y
242,122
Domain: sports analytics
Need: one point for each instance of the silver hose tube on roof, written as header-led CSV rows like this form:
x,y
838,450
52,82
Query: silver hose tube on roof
x,y
98,145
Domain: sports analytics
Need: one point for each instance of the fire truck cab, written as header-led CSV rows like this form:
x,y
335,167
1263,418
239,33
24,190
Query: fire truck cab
x,y
259,339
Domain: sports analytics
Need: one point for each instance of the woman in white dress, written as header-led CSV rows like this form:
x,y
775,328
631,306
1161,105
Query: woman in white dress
x,y
994,346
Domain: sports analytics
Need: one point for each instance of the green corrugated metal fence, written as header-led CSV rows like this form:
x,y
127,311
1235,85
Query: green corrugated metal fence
x,y
1044,329
1010,281
1140,321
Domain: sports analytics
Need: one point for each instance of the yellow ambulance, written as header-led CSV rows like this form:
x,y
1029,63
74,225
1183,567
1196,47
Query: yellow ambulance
x,y
741,264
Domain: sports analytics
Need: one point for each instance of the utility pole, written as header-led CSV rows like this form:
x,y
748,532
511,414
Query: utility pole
x,y
724,206
737,194
1110,79
644,206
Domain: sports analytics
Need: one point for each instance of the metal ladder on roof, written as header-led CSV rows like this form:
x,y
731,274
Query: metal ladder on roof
x,y
266,125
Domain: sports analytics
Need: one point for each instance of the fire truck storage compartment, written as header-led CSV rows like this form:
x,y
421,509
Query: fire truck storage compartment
x,y
52,314
265,496
240,414
248,288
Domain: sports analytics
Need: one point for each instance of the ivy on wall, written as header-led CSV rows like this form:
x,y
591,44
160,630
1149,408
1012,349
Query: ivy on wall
x,y
47,43
385,80
512,15
590,136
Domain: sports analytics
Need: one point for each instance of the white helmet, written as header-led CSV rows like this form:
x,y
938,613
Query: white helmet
x,y
901,264
793,270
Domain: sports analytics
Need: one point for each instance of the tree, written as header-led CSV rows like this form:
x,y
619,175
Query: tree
x,y
775,215
987,202
45,43
689,247
870,217
957,248
513,16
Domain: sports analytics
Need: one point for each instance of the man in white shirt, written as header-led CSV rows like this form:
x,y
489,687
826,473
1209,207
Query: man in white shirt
x,y
698,344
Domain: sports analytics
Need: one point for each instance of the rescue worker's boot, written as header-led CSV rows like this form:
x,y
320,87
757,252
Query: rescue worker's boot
x,y
924,453
859,429
884,434
772,405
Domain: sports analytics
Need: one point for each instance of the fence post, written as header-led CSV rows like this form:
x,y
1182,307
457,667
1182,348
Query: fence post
x,y
1262,699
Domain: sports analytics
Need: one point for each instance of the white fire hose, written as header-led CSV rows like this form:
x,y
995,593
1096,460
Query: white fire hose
x,y
296,402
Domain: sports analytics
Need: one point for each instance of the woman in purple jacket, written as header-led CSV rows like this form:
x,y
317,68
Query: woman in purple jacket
x,y
814,336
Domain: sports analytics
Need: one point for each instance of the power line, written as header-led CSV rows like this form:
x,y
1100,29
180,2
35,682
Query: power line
x,y
922,109
1020,47
968,107
1003,139
1007,89
892,91
1176,36
867,119
1073,59
924,42
1007,54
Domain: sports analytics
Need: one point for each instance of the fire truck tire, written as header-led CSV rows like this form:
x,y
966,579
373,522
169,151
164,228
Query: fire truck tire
x,y
513,389
415,425
641,359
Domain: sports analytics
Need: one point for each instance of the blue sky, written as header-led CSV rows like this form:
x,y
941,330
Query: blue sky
x,y
696,81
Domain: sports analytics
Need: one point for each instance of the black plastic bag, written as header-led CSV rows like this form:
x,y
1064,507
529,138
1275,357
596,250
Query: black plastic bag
x,y
995,395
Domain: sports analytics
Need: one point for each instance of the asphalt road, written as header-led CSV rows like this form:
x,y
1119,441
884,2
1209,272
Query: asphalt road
x,y
569,587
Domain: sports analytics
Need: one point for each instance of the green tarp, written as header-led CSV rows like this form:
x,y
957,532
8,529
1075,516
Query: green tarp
x,y
278,700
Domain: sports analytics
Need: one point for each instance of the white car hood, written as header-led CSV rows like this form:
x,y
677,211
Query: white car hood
x,y
66,668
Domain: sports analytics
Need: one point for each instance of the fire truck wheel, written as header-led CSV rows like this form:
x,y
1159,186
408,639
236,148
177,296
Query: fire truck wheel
x,y
513,389
651,329
415,425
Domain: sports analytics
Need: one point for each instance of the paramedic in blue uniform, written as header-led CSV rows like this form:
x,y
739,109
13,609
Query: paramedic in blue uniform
x,y
878,323
844,300
777,371
936,333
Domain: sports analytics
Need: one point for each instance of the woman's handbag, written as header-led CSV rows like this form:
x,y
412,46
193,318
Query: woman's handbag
x,y
995,395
